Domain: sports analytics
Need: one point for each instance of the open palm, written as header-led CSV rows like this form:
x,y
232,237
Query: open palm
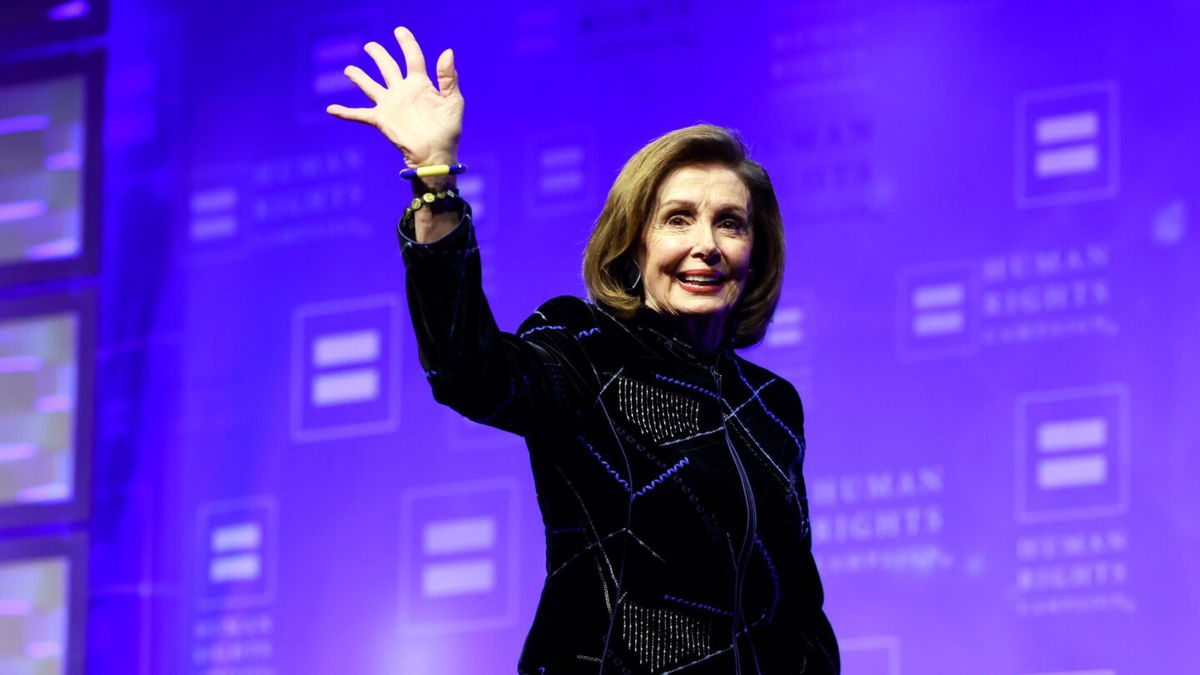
x,y
423,121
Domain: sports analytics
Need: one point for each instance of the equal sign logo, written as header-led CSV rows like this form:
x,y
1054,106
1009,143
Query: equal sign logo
x,y
213,214
237,549
478,187
236,554
559,167
560,170
458,557
1067,145
1073,454
348,368
935,304
787,327
345,369
329,57
1070,453
939,309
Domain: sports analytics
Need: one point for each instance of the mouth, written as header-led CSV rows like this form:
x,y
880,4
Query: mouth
x,y
700,281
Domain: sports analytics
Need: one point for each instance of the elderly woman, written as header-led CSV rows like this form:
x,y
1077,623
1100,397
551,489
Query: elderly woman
x,y
667,467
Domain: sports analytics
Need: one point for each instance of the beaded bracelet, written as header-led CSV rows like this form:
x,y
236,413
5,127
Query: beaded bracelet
x,y
430,199
433,170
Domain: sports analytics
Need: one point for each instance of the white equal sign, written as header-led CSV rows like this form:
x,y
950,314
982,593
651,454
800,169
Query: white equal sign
x,y
560,170
1067,144
213,213
1070,453
460,556
236,552
939,309
329,59
787,327
347,367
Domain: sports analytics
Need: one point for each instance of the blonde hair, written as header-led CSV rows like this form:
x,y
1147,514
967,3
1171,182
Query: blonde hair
x,y
630,204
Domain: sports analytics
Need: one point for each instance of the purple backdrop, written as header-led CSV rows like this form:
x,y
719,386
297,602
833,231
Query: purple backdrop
x,y
991,310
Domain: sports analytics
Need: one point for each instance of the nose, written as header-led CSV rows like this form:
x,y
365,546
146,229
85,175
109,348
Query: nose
x,y
704,244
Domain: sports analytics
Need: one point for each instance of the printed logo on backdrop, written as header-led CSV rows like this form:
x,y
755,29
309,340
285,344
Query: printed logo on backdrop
x,y
1019,297
345,369
880,520
817,49
875,655
43,604
1067,145
561,172
480,187
787,349
326,43
459,557
937,315
1073,479
38,373
237,564
239,209
631,26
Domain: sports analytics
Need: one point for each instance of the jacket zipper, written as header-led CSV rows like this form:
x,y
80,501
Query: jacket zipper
x,y
751,526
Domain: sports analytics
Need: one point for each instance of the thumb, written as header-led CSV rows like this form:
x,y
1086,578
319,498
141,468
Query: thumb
x,y
446,75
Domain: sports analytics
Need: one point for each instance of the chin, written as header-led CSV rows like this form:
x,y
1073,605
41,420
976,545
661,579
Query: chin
x,y
703,307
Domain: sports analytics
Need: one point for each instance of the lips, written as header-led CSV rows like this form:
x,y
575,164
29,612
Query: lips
x,y
700,281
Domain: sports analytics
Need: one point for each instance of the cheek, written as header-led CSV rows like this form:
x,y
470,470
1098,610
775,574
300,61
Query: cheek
x,y
662,254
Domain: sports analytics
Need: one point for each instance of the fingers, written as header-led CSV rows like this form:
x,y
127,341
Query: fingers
x,y
446,74
414,59
387,65
353,114
370,87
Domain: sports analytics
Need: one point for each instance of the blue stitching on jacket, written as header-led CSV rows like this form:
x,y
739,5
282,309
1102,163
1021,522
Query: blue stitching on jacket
x,y
697,605
658,481
702,390
767,410
774,573
537,328
585,333
600,459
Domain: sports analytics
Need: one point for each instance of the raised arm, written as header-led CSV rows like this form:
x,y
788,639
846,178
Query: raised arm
x,y
424,122
521,383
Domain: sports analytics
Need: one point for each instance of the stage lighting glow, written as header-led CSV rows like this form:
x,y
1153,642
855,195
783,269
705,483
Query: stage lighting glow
x,y
33,615
38,371
42,138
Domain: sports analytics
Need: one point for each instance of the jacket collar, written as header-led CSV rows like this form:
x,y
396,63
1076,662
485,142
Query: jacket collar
x,y
670,333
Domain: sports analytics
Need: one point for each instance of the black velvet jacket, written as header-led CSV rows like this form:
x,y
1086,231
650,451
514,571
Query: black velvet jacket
x,y
677,531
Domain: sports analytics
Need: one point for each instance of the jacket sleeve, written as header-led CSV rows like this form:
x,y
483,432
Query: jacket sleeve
x,y
525,383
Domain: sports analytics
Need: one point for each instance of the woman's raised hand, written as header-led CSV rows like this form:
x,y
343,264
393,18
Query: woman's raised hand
x,y
424,122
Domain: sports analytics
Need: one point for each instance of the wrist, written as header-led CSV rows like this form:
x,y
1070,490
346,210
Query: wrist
x,y
449,156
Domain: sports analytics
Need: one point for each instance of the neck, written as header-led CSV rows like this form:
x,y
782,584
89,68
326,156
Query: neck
x,y
705,332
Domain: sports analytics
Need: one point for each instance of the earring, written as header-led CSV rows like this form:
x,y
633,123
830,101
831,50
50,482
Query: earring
x,y
638,280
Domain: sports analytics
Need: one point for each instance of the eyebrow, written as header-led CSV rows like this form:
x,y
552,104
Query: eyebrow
x,y
740,210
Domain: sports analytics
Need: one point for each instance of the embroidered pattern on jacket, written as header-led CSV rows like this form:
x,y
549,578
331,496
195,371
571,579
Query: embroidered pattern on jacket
x,y
660,637
659,414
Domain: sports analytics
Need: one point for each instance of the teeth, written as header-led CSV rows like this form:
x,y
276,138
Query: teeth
x,y
699,278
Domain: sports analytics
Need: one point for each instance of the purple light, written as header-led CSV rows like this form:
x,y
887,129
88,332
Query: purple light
x,y
22,210
75,9
54,249
20,123
63,161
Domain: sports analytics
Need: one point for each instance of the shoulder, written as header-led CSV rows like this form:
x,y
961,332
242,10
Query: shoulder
x,y
770,384
565,313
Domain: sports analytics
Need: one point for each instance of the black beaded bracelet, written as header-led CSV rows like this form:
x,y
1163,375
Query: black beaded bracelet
x,y
432,200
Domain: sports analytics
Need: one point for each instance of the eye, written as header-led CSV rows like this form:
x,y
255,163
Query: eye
x,y
676,221
734,224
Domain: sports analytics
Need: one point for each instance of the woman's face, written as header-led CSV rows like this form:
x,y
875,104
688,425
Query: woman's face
x,y
694,254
